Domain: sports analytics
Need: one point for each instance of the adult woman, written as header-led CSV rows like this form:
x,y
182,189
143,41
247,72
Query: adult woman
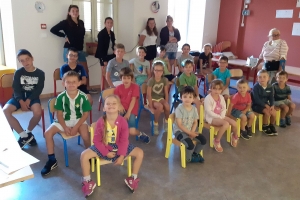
x,y
148,39
170,36
73,31
274,52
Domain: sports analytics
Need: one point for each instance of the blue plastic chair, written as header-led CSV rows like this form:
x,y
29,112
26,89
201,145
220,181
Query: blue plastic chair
x,y
52,111
176,95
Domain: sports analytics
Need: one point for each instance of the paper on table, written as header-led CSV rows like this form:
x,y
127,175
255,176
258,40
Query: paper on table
x,y
12,160
284,13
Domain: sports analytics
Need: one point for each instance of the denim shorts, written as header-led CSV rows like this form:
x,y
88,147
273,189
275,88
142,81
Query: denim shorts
x,y
131,121
238,114
81,56
171,55
16,103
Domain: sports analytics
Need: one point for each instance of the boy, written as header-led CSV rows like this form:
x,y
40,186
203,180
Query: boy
x,y
165,60
263,102
224,75
141,67
283,100
73,108
239,108
185,55
185,125
115,65
129,94
72,65
188,78
28,84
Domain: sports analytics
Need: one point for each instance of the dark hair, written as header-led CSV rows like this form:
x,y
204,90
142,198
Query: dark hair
x,y
73,49
185,45
108,18
188,90
216,83
162,48
142,48
70,74
262,71
119,46
169,17
187,62
126,71
241,81
23,52
157,63
282,73
69,18
223,58
148,30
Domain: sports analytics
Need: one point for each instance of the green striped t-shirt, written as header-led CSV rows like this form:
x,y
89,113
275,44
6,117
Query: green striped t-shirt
x,y
72,108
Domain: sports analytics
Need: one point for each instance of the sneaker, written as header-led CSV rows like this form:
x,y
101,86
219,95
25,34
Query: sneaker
x,y
288,121
267,130
32,142
272,128
249,131
233,140
282,123
132,183
156,132
50,165
88,187
217,146
144,137
93,91
244,135
195,158
23,141
201,159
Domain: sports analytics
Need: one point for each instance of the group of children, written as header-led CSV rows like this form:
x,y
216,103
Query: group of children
x,y
111,139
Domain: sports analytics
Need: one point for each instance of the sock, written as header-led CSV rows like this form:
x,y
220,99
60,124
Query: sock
x,y
23,134
217,141
86,178
28,131
52,157
141,133
134,176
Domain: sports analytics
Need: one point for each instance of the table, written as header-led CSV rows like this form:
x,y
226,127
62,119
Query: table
x,y
7,137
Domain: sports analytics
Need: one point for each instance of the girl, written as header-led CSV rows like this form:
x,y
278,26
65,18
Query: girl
x,y
157,95
111,143
205,60
184,56
215,111
165,61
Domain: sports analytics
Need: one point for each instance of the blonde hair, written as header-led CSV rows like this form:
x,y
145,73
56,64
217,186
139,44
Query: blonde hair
x,y
207,45
273,30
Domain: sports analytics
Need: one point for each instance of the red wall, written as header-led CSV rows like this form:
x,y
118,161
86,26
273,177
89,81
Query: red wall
x,y
248,40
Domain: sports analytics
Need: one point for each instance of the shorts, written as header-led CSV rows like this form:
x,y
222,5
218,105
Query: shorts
x,y
226,92
116,83
140,79
238,114
106,59
132,120
258,109
83,88
170,77
171,55
282,102
81,55
115,149
69,123
156,100
151,52
16,103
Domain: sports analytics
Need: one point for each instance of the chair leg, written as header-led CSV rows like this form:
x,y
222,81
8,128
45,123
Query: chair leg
x,y
93,164
168,148
66,153
129,166
228,134
254,125
172,107
201,153
98,172
152,124
238,122
183,157
43,121
91,117
278,112
78,142
211,135
260,122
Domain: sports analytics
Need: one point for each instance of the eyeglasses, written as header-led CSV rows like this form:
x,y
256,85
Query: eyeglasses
x,y
73,55
223,62
275,35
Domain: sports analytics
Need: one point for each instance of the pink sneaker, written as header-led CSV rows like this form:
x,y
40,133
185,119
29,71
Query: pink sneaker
x,y
132,183
88,187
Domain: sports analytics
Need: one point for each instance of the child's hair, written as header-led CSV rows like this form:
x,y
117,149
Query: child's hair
x,y
23,52
216,83
282,73
186,45
142,48
69,18
157,63
73,50
186,62
262,71
70,74
188,90
126,71
241,81
162,48
119,46
223,58
108,18
206,45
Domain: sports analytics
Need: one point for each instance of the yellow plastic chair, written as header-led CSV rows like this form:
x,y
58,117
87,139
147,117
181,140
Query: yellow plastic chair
x,y
100,161
260,118
171,140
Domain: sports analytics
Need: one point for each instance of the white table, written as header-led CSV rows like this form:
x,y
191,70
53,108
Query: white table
x,y
7,137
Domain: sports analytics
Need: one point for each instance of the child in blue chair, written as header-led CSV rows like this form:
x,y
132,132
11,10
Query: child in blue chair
x,y
186,120
111,143
129,94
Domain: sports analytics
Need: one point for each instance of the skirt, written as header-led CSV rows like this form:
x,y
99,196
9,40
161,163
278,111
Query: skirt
x,y
151,52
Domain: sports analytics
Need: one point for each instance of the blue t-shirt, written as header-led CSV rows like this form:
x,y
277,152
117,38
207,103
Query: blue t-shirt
x,y
222,75
79,69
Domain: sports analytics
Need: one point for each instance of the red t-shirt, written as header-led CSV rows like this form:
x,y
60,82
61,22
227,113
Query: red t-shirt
x,y
240,102
126,94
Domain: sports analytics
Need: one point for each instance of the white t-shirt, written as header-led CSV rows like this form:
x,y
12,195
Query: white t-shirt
x,y
149,40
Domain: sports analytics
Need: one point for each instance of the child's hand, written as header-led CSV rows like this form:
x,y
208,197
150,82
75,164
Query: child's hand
x,y
121,109
193,135
27,103
23,106
119,160
67,130
111,155
74,131
244,112
271,108
127,116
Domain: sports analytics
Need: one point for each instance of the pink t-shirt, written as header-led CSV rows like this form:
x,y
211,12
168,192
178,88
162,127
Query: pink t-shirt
x,y
126,94
239,102
218,107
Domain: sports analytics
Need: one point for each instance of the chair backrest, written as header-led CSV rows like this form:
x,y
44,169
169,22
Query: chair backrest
x,y
236,73
7,80
92,131
107,92
6,90
209,78
51,109
172,117
56,77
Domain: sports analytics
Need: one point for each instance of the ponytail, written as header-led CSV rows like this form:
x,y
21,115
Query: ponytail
x,y
104,139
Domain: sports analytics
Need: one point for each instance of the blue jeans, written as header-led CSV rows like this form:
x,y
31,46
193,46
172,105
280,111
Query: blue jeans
x,y
238,114
171,55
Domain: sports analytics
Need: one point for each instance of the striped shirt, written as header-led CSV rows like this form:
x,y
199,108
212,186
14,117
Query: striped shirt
x,y
281,94
274,51
72,108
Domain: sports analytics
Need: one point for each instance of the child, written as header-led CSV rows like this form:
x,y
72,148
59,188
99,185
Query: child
x,y
141,67
215,111
263,102
72,65
283,100
165,61
205,60
157,95
184,56
239,107
111,143
224,75
188,78
129,94
186,117
73,108
115,65
28,84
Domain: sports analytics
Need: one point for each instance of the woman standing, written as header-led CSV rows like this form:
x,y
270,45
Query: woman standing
x,y
148,39
73,31
169,37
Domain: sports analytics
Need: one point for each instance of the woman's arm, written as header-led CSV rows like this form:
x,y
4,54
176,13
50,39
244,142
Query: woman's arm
x,y
141,40
57,28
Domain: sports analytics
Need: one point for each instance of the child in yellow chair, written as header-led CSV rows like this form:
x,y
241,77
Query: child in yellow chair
x,y
186,120
111,143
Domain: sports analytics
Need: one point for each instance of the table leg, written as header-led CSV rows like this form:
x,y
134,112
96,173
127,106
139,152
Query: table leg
x,y
248,73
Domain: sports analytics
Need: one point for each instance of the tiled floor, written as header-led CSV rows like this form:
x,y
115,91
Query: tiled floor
x,y
261,168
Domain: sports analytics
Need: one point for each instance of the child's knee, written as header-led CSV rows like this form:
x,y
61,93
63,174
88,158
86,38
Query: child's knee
x,y
189,143
202,139
139,152
292,106
251,116
37,113
243,118
226,124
